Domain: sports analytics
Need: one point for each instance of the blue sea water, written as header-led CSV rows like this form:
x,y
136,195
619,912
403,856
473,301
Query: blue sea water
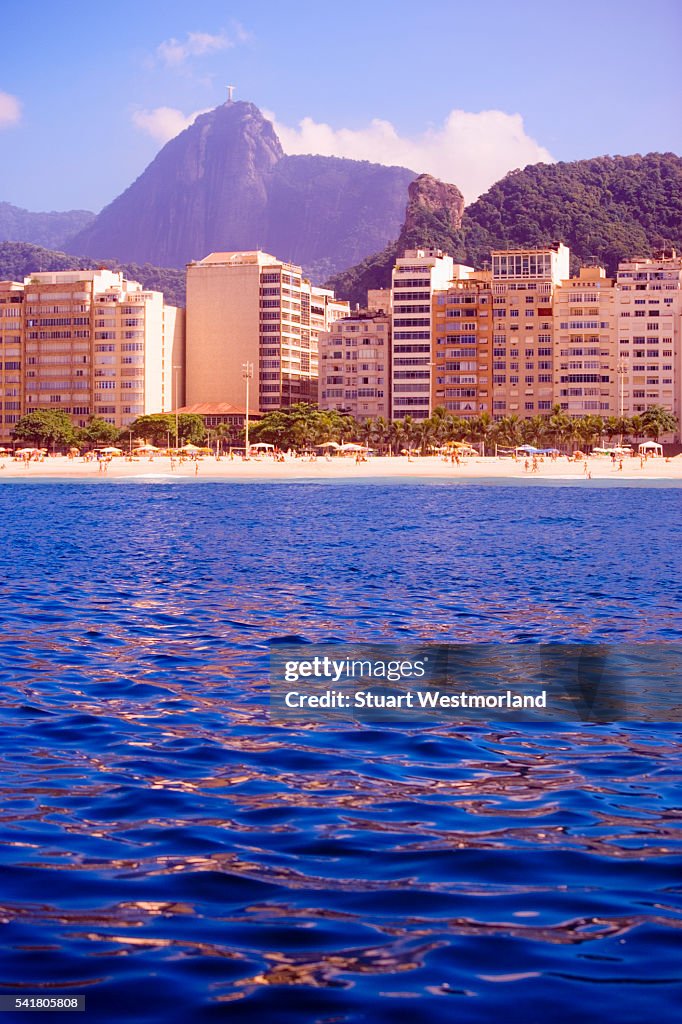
x,y
175,855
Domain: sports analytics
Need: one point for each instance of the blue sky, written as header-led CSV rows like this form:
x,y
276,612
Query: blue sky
x,y
89,92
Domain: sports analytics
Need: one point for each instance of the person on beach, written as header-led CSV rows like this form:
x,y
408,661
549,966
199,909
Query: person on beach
x,y
526,465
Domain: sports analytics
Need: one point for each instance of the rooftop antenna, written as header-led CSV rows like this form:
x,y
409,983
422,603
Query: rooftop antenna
x,y
230,91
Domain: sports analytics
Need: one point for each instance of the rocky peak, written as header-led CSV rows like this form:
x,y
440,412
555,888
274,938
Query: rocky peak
x,y
433,207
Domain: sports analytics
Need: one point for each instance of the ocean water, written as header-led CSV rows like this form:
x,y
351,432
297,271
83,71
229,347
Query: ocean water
x,y
173,854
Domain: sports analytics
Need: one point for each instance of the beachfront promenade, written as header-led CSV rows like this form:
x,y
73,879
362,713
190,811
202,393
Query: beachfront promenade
x,y
374,468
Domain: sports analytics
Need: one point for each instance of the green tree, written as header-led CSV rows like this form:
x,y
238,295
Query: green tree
x,y
635,428
98,431
303,426
158,428
192,428
380,433
559,425
231,435
589,429
657,420
480,428
44,428
534,430
397,436
508,431
612,428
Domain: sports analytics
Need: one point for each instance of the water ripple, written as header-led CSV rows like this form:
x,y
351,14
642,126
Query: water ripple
x,y
155,823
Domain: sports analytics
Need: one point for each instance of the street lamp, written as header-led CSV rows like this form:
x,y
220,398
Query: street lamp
x,y
177,433
247,374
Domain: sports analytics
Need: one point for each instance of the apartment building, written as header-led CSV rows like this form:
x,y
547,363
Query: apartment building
x,y
11,334
649,311
416,276
249,309
523,285
585,344
462,344
89,343
355,365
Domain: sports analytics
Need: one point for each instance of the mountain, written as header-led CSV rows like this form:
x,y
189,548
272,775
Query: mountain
x,y
48,229
225,184
21,259
433,220
608,208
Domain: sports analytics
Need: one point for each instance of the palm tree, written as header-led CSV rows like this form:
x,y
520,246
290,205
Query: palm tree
x,y
635,428
658,420
366,431
534,430
559,424
479,428
396,435
229,432
380,432
612,427
590,428
410,429
440,424
508,431
426,434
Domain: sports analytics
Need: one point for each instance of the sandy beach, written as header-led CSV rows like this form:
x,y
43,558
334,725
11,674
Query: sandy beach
x,y
375,468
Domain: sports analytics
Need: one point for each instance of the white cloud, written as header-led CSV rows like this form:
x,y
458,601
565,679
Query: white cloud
x,y
469,150
174,53
10,110
163,123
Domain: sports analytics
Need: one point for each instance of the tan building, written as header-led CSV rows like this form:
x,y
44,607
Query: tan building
x,y
11,333
416,276
462,319
355,365
96,344
585,344
523,284
649,306
379,300
251,309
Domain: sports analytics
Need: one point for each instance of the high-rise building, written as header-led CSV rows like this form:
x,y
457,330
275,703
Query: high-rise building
x,y
249,308
91,343
523,283
462,320
11,333
585,344
355,359
649,306
416,276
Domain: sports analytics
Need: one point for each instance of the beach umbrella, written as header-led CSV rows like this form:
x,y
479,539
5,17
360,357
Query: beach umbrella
x,y
189,447
262,444
350,446
328,444
26,451
111,450
146,448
